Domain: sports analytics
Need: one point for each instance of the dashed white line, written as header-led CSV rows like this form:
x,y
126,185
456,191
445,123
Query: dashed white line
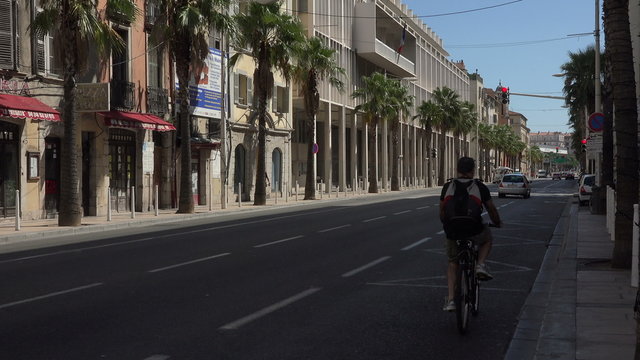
x,y
269,309
423,207
279,241
57,293
365,267
374,219
188,263
416,244
158,357
440,232
402,212
334,228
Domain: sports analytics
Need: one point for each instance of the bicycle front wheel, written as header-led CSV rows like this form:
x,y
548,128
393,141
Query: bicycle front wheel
x,y
462,300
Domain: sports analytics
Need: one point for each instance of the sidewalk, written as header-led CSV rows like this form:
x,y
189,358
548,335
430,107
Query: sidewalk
x,y
579,307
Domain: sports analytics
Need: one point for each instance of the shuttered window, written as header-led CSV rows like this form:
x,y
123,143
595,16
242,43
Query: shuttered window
x,y
7,35
49,58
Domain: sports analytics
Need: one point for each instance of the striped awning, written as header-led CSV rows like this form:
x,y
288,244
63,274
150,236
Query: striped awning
x,y
136,121
26,108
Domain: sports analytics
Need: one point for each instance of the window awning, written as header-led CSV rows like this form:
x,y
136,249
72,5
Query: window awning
x,y
136,121
26,107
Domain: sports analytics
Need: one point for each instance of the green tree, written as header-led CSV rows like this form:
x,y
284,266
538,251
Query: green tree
x,y
77,23
271,37
448,102
429,114
618,40
401,102
373,98
466,124
184,25
315,62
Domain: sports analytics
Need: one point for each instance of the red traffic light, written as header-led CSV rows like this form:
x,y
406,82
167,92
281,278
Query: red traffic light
x,y
584,141
504,89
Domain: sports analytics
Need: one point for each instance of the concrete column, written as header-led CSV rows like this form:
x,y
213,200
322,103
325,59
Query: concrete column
x,y
384,164
414,156
365,155
327,150
342,149
354,148
420,156
402,154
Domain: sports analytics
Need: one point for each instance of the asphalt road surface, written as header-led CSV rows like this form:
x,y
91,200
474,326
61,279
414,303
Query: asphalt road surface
x,y
355,279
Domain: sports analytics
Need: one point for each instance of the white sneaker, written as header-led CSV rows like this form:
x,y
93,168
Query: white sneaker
x,y
449,305
482,273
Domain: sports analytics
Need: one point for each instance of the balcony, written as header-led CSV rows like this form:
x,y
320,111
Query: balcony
x,y
157,101
151,14
122,95
376,38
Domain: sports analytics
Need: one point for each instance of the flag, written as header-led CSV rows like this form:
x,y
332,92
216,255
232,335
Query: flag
x,y
404,36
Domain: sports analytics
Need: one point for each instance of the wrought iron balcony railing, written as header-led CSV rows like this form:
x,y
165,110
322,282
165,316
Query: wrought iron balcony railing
x,y
122,95
157,101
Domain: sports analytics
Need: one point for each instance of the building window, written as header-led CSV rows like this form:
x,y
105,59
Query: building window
x,y
155,65
8,36
280,99
243,90
49,59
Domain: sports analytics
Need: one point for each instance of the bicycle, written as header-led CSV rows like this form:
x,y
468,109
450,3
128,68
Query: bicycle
x,y
467,291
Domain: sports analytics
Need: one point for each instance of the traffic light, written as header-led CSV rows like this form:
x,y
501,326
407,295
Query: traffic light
x,y
556,149
434,153
505,94
584,145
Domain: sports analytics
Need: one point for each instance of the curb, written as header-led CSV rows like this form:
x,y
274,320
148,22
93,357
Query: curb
x,y
531,321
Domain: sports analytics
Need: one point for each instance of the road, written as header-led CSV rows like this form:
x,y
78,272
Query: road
x,y
356,279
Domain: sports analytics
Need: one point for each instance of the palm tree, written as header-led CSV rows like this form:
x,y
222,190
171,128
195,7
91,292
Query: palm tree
x,y
428,113
448,102
271,38
373,95
315,62
466,123
618,40
184,26
77,22
401,102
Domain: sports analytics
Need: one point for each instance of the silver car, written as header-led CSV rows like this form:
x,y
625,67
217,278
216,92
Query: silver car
x,y
514,184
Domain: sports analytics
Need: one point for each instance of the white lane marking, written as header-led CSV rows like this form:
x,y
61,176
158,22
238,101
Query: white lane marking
x,y
484,213
402,212
436,204
423,207
267,310
365,267
75,250
523,268
507,204
57,293
440,232
416,244
334,228
188,263
374,219
158,357
279,241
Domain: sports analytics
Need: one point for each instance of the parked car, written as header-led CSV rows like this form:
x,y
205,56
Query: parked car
x,y
556,176
500,172
587,181
569,175
514,184
542,174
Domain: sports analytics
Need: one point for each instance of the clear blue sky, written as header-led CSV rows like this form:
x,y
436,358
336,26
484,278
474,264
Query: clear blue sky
x,y
525,68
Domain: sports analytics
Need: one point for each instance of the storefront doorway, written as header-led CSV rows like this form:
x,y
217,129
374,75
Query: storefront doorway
x,y
9,167
51,176
276,171
122,167
239,175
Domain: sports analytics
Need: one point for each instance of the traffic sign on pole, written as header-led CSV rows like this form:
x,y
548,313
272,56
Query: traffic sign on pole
x,y
315,148
596,122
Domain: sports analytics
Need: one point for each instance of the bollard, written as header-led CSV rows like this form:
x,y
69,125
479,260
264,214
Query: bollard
x,y
108,204
240,194
133,202
286,192
157,202
321,189
276,196
297,189
635,248
18,210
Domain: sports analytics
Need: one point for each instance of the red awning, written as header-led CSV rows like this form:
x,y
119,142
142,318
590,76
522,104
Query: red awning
x,y
136,121
26,107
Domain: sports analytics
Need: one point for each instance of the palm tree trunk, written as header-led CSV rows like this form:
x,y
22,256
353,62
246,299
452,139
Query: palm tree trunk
x,y
607,131
70,206
431,160
395,157
441,175
262,85
185,204
310,181
618,36
373,163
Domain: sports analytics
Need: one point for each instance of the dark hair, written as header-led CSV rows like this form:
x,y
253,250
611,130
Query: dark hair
x,y
466,165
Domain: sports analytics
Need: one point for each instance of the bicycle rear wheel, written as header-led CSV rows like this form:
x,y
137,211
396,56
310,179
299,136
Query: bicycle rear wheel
x,y
462,300
475,286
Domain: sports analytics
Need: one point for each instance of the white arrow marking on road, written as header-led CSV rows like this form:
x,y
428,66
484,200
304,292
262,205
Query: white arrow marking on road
x,y
279,241
416,244
365,267
188,263
57,293
269,309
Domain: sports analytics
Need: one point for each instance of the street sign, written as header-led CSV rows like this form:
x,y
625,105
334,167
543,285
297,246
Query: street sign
x,y
315,148
594,143
596,122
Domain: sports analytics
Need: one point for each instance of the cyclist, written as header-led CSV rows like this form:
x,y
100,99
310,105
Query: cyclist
x,y
478,196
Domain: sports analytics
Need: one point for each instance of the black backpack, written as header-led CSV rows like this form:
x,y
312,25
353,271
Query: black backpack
x,y
462,209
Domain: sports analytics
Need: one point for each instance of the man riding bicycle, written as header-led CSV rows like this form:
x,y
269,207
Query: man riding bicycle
x,y
461,204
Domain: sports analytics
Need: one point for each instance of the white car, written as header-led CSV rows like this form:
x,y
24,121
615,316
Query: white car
x,y
542,174
584,188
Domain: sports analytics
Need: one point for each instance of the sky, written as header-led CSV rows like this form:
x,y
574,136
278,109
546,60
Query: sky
x,y
480,37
